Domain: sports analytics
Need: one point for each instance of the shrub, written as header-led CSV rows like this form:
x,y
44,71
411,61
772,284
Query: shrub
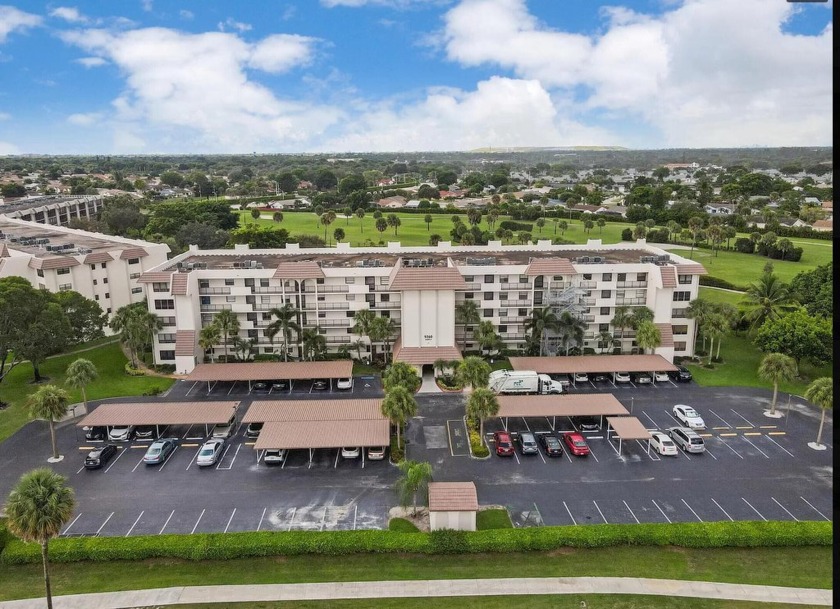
x,y
717,282
152,391
627,234
479,449
401,525
133,371
516,226
744,245
397,452
164,368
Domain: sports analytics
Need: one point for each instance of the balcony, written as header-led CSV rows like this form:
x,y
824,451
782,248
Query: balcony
x,y
586,285
516,286
679,313
513,336
512,319
335,323
587,302
267,290
385,305
337,340
215,307
630,301
326,289
588,318
326,306
631,284
472,287
559,285
624,334
214,290
514,303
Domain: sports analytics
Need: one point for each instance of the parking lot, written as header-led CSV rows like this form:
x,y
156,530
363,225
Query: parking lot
x,y
363,386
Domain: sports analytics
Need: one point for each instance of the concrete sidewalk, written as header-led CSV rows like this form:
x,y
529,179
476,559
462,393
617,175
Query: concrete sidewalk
x,y
431,588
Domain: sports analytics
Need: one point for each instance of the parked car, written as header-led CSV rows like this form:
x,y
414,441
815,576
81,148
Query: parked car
x,y
210,452
319,385
376,453
504,444
551,445
576,444
351,452
662,444
259,386
527,443
96,434
145,432
253,430
622,377
687,439
581,377
274,456
688,417
159,451
224,430
279,385
586,423
599,377
121,433
661,377
681,374
642,378
100,455
344,384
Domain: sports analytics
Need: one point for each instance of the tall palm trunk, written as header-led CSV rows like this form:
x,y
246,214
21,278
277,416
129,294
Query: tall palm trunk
x,y
84,397
52,437
819,432
720,340
45,560
775,393
711,348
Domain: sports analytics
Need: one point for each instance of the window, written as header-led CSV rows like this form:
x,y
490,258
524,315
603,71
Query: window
x,y
468,295
265,299
349,280
523,295
487,313
92,267
206,318
503,279
489,278
606,277
503,296
167,355
62,271
605,310
161,304
682,296
684,279
319,282
350,297
469,278
557,278
107,294
622,277
95,282
136,290
641,277
679,345
249,282
263,283
160,287
167,321
251,317
166,338
40,273
130,261
105,280
108,311
228,281
386,298
606,293
522,312
587,276
502,329
266,316
383,280
386,314
679,329
523,279
488,296
134,276
603,327
95,296
253,333
538,298
322,315
350,314
322,298
230,298
66,287
679,313
136,260
203,283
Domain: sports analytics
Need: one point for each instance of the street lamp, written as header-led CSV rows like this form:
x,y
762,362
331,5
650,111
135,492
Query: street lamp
x,y
632,398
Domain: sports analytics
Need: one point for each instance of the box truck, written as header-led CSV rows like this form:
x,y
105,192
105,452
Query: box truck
x,y
522,381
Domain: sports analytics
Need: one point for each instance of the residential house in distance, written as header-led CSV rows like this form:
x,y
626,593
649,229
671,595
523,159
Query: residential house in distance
x,y
823,225
395,202
721,209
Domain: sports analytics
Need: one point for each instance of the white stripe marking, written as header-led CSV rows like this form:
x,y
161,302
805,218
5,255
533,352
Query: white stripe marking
x,y
261,519
600,512
692,511
80,514
755,510
803,499
631,512
230,520
196,522
104,523
785,509
167,522
660,509
723,510
135,524
574,522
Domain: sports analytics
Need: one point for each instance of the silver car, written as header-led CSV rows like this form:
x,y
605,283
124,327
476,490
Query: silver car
x,y
210,452
528,443
687,439
121,433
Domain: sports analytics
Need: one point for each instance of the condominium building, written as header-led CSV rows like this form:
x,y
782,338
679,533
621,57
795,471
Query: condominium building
x,y
419,288
53,209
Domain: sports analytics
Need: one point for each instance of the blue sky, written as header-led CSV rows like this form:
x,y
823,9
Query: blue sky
x,y
216,76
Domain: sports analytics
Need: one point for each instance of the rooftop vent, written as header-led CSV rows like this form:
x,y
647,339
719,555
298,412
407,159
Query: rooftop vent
x,y
486,261
648,259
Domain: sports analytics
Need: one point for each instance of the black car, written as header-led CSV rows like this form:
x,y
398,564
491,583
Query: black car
x,y
599,378
586,423
100,456
682,374
551,445
253,430
95,434
319,385
145,432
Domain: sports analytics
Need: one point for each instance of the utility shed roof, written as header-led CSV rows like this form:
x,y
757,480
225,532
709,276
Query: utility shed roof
x,y
264,371
453,497
593,363
160,413
584,404
628,428
323,434
313,410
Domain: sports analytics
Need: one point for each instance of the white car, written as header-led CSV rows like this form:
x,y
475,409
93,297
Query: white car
x,y
210,452
622,377
688,417
661,377
121,433
662,444
344,383
581,377
274,456
351,452
224,430
376,453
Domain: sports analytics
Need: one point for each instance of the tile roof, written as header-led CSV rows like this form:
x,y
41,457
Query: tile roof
x,y
431,278
669,276
691,269
58,262
314,410
266,371
133,252
298,270
323,434
418,356
180,281
185,342
666,334
97,257
157,277
628,428
569,405
453,497
550,266
606,364
160,413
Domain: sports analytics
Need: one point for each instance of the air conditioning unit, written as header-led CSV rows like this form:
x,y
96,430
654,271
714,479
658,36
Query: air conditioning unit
x,y
597,259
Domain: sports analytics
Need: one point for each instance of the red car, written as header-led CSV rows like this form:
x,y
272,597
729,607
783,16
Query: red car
x,y
504,444
575,443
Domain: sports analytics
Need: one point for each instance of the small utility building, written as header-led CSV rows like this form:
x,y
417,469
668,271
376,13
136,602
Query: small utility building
x,y
452,505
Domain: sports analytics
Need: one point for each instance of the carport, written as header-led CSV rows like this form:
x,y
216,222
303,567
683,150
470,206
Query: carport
x,y
266,371
594,364
161,413
589,404
313,424
627,428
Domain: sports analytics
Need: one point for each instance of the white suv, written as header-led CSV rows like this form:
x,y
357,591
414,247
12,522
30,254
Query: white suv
x,y
224,430
687,439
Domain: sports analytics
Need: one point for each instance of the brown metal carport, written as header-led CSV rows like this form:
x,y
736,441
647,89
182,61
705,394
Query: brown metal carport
x,y
312,424
268,371
627,428
593,364
586,404
160,413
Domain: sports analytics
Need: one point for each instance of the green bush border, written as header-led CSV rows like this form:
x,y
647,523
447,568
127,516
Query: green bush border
x,y
221,546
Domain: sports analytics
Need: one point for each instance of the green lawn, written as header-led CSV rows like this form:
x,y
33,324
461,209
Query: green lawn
x,y
493,519
402,525
799,567
113,381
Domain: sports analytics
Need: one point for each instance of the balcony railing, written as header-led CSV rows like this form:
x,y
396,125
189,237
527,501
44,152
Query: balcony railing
x,y
516,286
514,303
326,306
267,290
472,287
512,336
512,319
215,307
587,302
214,290
337,340
630,301
631,284
559,285
588,318
335,323
586,285
385,305
326,289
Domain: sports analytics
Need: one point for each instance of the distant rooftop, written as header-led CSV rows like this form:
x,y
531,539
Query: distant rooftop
x,y
31,202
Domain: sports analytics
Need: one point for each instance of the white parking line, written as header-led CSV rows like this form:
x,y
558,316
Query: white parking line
x,y
337,455
138,463
655,424
168,458
355,513
652,454
803,499
80,515
631,512
104,523
710,453
660,509
236,452
167,522
756,447
223,456
692,511
539,452
722,510
600,512
754,510
122,452
135,524
725,422
196,522
191,388
592,454
259,525
294,511
785,509
779,445
726,444
737,414
234,385
574,522
230,520
80,469
324,518
193,458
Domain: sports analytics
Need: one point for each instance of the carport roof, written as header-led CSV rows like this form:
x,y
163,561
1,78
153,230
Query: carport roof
x,y
584,404
593,363
453,497
313,410
160,413
264,371
628,428
323,434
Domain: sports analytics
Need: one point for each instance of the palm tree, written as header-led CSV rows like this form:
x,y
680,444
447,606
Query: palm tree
x,y
673,229
715,327
49,403
284,324
37,508
398,405
623,318
209,338
767,299
382,329
715,234
400,374
481,404
601,224
228,324
381,225
357,345
486,337
474,371
79,375
277,216
244,348
571,330
124,322
730,315
362,320
538,323
314,343
360,214
695,225
776,367
648,336
698,310
467,313
414,481
820,393
639,315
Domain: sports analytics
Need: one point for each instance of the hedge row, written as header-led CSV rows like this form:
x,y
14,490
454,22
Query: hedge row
x,y
220,546
717,282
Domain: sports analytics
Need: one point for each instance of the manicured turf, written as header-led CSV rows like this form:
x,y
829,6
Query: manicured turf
x,y
492,519
799,567
113,381
401,525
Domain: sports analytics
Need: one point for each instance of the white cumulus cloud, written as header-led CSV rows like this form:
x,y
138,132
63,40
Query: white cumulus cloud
x,y
84,119
91,62
68,13
15,20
